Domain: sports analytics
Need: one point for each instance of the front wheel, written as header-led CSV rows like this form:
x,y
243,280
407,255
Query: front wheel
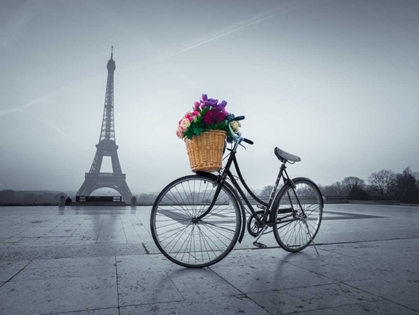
x,y
182,235
298,214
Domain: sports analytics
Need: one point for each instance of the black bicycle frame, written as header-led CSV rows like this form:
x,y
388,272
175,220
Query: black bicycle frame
x,y
265,205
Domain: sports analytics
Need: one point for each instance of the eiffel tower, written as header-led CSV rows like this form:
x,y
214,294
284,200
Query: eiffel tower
x,y
107,147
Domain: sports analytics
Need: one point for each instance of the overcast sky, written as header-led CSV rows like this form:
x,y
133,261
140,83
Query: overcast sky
x,y
333,81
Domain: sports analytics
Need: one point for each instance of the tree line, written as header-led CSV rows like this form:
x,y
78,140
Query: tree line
x,y
9,196
382,185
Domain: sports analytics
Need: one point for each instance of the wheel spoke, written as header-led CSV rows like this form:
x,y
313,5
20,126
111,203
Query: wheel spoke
x,y
306,203
184,239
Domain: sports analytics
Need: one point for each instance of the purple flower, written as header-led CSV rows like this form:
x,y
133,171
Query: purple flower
x,y
211,102
221,106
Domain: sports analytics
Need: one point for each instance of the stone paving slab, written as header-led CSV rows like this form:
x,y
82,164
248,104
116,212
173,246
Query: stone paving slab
x,y
106,311
67,268
104,262
58,295
231,305
400,291
8,269
310,298
57,252
266,277
371,308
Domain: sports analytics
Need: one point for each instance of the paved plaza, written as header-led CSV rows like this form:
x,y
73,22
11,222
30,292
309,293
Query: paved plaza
x,y
102,261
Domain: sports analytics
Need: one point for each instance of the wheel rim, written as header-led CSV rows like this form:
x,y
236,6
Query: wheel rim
x,y
297,234
182,236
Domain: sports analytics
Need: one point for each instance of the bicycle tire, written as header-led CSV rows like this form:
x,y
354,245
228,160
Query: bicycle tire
x,y
182,239
294,231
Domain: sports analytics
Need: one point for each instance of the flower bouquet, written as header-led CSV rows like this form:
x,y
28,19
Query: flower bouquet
x,y
205,131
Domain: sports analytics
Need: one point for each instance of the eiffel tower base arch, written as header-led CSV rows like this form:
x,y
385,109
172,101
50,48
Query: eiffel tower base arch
x,y
105,180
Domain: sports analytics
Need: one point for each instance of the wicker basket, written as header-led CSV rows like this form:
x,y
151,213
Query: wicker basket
x,y
205,151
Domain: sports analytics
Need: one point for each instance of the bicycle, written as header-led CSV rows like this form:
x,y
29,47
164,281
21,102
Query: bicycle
x,y
196,220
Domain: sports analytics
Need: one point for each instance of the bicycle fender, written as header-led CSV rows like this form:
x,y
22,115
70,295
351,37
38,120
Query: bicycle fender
x,y
277,200
233,191
316,186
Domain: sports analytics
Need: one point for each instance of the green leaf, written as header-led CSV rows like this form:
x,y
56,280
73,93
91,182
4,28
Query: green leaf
x,y
189,133
197,131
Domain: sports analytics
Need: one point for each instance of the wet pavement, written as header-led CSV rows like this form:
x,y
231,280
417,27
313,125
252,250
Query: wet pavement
x,y
102,261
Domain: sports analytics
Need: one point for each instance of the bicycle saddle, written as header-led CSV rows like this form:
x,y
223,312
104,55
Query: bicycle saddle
x,y
284,156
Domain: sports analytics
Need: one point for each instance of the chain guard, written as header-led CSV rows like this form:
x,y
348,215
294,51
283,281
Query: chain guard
x,y
252,225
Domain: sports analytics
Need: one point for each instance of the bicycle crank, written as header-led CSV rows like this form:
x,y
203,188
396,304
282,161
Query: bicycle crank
x,y
258,244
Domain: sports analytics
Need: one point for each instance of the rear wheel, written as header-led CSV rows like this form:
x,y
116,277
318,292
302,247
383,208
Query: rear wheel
x,y
299,215
178,231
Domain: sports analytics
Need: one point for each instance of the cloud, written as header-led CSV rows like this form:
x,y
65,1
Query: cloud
x,y
17,21
231,31
40,100
44,99
49,124
243,25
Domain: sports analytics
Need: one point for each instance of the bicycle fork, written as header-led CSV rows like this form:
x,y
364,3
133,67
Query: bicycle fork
x,y
303,216
213,202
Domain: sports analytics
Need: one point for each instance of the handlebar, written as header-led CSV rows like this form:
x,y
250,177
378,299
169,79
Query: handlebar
x,y
237,136
237,118
248,141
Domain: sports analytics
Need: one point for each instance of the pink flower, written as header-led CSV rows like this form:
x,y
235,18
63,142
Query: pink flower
x,y
208,117
179,134
206,114
185,123
219,117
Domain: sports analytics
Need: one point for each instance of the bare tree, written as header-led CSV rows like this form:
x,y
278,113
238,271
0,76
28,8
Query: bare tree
x,y
349,183
355,188
266,191
383,182
337,189
407,189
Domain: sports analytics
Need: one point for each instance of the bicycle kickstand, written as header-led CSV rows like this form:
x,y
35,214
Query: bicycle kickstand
x,y
315,248
256,243
312,241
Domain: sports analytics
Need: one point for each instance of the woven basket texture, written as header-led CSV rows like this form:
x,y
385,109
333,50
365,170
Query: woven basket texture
x,y
205,151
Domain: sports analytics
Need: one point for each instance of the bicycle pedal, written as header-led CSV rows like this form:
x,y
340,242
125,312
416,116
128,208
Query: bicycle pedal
x,y
259,245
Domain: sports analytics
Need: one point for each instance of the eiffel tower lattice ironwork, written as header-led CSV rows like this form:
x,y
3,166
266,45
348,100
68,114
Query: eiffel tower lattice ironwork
x,y
95,179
